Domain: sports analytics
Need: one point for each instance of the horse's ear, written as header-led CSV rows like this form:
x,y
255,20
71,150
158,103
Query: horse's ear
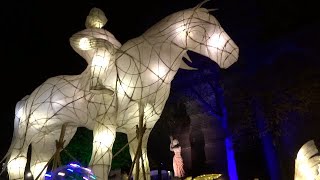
x,y
200,4
213,9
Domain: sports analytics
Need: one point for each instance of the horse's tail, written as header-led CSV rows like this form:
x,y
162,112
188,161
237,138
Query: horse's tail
x,y
18,115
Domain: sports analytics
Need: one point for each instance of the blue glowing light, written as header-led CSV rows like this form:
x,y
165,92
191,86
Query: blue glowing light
x,y
74,165
71,171
232,168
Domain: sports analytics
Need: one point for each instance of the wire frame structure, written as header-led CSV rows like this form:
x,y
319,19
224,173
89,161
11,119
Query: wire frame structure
x,y
307,163
123,89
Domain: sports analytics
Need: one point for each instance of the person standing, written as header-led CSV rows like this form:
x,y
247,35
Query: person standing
x,y
177,158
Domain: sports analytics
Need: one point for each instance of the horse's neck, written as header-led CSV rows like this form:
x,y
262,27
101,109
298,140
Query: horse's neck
x,y
171,29
159,50
169,50
150,65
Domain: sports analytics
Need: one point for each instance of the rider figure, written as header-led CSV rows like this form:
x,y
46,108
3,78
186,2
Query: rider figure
x,y
97,46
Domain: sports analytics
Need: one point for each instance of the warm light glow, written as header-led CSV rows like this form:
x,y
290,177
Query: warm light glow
x,y
19,113
36,169
17,163
181,31
207,177
307,170
97,23
307,162
159,71
162,70
16,166
122,88
84,44
217,41
106,138
96,18
29,174
180,28
101,61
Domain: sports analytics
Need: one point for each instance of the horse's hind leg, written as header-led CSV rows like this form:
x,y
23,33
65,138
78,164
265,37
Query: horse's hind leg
x,y
17,153
18,159
43,150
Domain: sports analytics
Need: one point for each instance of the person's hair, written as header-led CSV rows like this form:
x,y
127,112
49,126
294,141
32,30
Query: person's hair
x,y
177,145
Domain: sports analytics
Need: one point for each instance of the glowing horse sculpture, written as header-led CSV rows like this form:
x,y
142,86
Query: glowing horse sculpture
x,y
307,164
146,65
122,88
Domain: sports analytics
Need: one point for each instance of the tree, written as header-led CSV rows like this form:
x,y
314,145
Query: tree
x,y
80,147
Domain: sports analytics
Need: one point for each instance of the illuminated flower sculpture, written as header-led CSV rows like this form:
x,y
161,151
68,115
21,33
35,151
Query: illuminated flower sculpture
x,y
307,164
124,89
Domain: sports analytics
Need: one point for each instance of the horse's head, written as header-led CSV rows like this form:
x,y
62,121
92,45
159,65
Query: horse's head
x,y
204,35
197,30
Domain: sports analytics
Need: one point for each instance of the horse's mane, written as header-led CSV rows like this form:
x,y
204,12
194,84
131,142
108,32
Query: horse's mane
x,y
178,16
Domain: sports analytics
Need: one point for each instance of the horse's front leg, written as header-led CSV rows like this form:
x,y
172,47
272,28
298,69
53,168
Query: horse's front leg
x,y
103,139
144,160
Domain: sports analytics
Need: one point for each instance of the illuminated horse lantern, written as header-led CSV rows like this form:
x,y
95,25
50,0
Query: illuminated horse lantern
x,y
123,87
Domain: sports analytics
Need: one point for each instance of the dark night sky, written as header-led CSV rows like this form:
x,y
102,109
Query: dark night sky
x,y
35,36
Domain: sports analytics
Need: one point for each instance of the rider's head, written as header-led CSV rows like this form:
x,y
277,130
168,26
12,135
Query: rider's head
x,y
96,19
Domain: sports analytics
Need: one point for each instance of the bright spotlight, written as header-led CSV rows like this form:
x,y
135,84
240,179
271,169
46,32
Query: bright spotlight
x,y
29,174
